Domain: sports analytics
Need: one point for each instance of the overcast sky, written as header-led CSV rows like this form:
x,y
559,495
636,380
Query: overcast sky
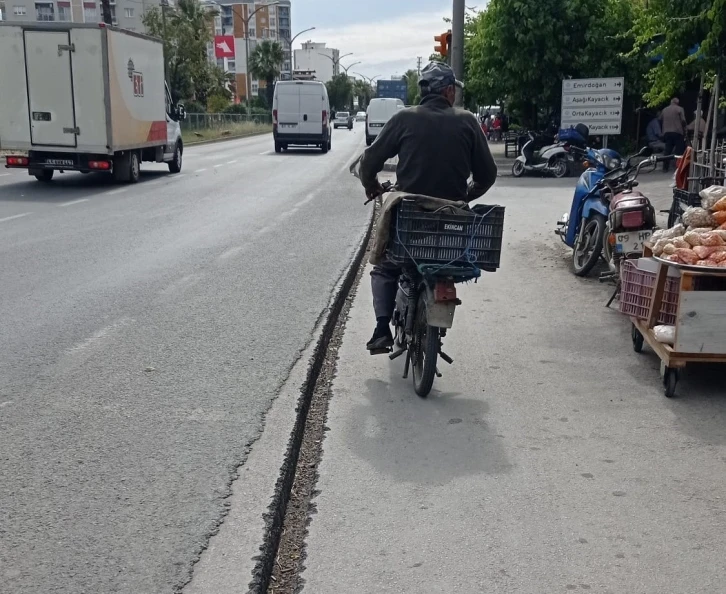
x,y
385,35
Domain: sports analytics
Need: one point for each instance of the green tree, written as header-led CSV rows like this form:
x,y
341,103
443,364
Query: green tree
x,y
671,30
186,34
362,90
519,51
340,90
266,64
411,77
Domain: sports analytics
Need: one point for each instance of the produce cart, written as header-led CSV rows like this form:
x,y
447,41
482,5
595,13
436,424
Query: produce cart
x,y
692,301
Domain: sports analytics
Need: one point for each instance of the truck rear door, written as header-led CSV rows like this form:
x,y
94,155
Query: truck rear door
x,y
48,56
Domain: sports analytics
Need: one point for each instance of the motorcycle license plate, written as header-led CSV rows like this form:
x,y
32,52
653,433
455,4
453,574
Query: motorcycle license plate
x,y
632,241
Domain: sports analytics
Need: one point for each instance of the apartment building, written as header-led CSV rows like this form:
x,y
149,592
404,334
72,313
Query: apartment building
x,y
266,21
316,57
126,13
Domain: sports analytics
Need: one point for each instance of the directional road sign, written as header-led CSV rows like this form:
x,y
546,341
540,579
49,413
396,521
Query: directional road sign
x,y
595,102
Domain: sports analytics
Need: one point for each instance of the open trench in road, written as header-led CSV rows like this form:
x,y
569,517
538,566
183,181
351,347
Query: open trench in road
x,y
282,554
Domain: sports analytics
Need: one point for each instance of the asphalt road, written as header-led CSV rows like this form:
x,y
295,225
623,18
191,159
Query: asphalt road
x,y
145,331
545,460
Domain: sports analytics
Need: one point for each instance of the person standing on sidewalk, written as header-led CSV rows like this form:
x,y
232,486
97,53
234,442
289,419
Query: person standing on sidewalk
x,y
674,130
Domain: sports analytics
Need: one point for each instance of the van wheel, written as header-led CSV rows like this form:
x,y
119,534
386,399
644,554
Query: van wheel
x,y
278,147
369,141
330,144
44,175
325,146
175,164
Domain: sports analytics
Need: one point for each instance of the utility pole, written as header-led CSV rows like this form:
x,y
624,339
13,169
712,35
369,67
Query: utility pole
x,y
418,66
457,45
106,12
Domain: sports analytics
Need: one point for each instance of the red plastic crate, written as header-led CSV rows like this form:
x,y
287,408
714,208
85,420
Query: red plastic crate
x,y
636,294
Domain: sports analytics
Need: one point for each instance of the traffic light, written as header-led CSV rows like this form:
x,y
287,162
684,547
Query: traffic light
x,y
444,43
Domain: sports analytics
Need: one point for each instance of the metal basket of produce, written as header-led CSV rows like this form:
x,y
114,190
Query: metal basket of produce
x,y
636,294
444,238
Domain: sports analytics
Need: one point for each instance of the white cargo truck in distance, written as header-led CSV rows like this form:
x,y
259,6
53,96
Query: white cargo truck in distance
x,y
82,97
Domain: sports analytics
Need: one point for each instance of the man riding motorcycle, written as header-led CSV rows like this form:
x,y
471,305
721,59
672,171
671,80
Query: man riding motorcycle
x,y
438,147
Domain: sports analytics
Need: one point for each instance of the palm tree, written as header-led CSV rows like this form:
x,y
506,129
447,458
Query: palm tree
x,y
266,64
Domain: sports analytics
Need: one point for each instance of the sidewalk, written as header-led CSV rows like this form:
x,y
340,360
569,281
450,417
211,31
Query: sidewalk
x,y
545,460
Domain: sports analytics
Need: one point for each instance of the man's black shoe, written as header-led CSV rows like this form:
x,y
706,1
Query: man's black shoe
x,y
382,339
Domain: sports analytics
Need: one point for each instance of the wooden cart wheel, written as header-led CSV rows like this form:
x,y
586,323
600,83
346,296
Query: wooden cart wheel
x,y
670,379
637,339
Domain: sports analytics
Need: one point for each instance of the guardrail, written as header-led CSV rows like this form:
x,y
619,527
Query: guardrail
x,y
219,121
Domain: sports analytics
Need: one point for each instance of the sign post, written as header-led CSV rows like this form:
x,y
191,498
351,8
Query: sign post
x,y
595,102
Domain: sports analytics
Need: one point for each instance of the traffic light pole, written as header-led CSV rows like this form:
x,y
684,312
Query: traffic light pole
x,y
456,51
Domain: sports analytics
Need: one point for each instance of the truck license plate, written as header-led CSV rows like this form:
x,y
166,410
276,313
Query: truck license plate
x,y
288,125
631,242
60,162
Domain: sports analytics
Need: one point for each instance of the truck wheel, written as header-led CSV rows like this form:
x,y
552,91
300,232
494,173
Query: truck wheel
x,y
278,147
45,175
175,164
134,167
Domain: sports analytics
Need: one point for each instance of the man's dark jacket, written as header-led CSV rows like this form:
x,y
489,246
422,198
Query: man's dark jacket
x,y
438,146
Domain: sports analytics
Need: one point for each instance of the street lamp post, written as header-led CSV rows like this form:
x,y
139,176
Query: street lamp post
x,y
349,67
336,61
292,53
247,51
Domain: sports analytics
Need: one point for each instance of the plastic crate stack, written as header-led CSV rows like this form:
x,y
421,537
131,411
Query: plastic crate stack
x,y
636,294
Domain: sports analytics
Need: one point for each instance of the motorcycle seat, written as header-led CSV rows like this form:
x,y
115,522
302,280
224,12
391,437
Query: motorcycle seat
x,y
629,199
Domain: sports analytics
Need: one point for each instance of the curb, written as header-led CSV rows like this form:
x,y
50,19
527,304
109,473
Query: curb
x,y
225,139
274,519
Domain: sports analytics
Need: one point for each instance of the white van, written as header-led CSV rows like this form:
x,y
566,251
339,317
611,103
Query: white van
x,y
301,114
380,110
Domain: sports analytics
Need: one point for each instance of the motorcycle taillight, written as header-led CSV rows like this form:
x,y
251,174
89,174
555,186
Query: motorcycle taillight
x,y
444,291
633,219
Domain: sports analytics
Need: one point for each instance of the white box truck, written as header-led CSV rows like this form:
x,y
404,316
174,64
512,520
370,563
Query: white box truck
x,y
85,97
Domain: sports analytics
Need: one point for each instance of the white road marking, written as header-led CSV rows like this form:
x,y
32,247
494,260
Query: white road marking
x,y
230,252
5,403
289,213
201,170
266,153
308,198
100,335
218,165
4,174
232,162
17,216
72,202
115,192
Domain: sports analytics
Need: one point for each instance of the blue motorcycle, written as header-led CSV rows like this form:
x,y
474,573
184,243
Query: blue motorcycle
x,y
583,228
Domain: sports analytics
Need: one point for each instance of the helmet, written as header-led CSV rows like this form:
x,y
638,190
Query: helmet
x,y
437,76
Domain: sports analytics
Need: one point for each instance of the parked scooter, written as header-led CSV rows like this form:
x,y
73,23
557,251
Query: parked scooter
x,y
557,159
631,221
583,228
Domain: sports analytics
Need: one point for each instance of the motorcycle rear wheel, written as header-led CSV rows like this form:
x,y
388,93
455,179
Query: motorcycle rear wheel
x,y
588,246
560,168
424,352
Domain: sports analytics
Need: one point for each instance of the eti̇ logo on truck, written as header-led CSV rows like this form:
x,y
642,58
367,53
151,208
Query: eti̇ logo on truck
x,y
137,79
